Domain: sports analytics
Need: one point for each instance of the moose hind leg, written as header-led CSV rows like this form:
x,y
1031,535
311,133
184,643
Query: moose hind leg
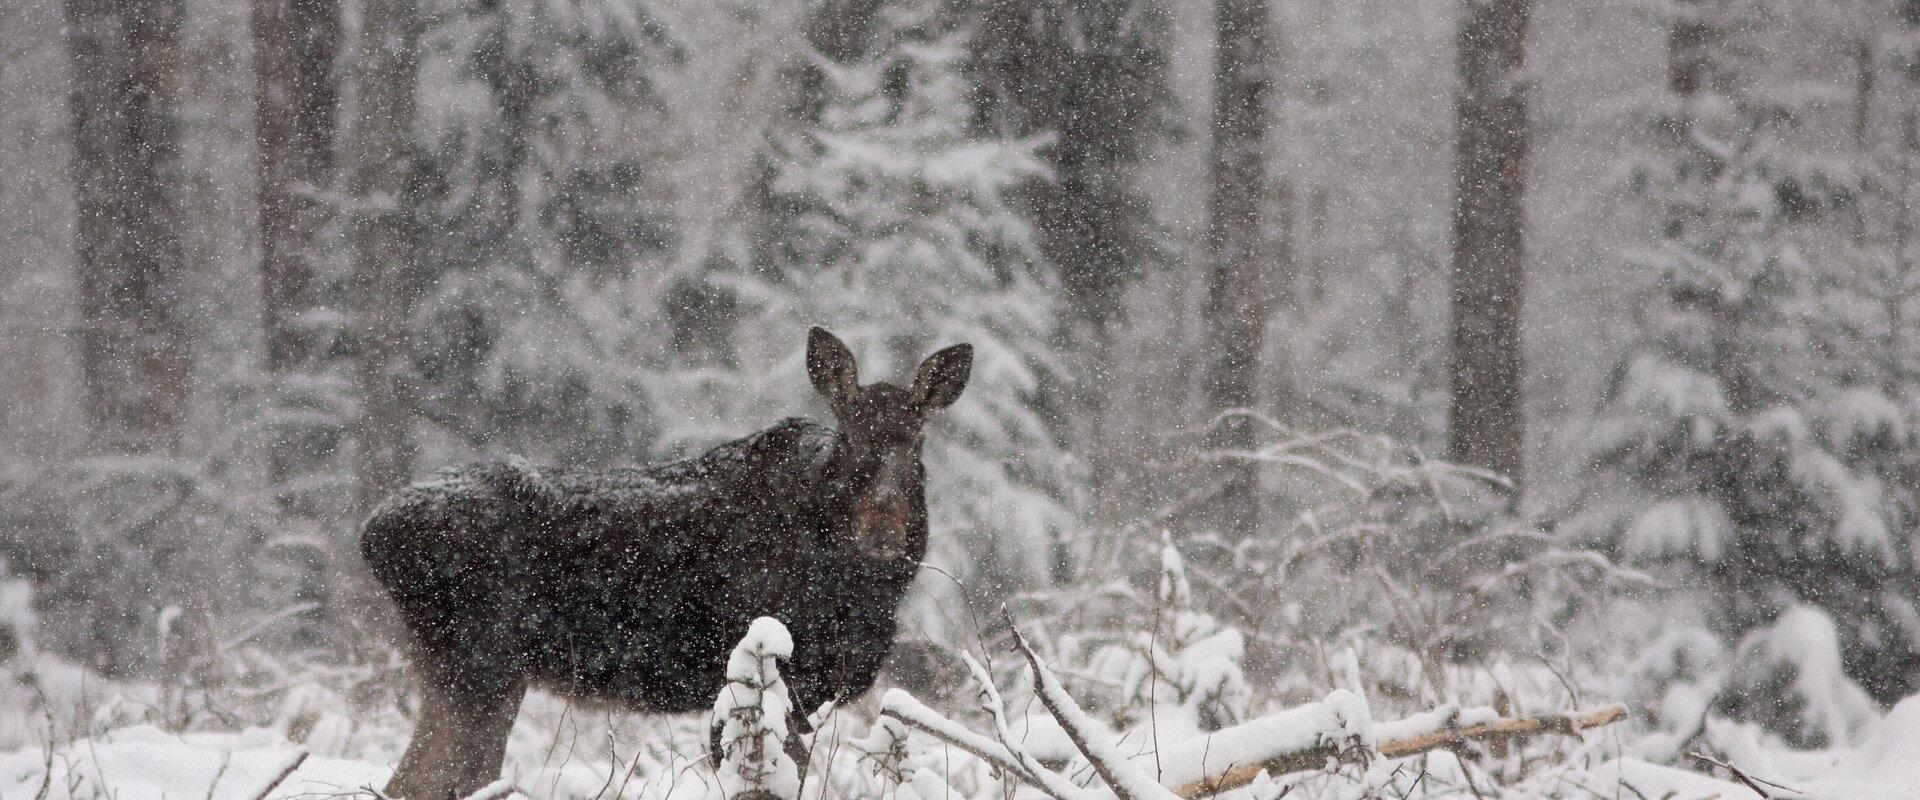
x,y
460,739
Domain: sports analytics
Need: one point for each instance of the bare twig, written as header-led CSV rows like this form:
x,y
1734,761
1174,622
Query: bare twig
x,y
280,776
1121,777
1745,779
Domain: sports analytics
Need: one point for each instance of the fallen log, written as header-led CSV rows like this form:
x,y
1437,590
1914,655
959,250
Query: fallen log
x,y
1315,757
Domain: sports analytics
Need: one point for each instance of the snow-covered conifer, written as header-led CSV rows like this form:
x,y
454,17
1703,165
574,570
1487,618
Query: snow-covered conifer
x,y
893,227
1737,447
750,716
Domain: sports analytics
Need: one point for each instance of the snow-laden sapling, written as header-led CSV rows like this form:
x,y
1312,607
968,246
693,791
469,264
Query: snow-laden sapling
x,y
750,717
630,586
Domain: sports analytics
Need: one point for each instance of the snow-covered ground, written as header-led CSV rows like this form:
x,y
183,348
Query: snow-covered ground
x,y
114,742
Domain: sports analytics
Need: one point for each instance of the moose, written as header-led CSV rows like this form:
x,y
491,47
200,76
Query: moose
x,y
628,587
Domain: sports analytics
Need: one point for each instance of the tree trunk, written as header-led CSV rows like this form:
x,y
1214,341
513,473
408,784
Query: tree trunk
x,y
385,275
386,284
1237,292
295,44
1486,425
128,559
134,355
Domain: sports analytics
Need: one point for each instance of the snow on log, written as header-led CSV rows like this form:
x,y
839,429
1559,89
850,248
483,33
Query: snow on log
x,y
1283,760
1126,782
1337,729
497,790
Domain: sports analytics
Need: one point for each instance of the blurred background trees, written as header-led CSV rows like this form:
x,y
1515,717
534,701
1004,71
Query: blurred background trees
x,y
268,261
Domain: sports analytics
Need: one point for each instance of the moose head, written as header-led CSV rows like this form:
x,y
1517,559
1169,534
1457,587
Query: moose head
x,y
880,435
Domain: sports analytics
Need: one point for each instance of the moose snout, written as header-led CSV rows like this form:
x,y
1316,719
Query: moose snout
x,y
880,523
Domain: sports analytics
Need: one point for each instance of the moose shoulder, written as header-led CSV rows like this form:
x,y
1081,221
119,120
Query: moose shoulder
x,y
630,586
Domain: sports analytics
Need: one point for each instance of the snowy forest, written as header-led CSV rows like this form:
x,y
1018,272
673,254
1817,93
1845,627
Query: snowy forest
x,y
1368,399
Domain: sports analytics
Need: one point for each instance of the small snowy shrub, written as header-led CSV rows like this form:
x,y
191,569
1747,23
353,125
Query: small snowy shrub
x,y
750,717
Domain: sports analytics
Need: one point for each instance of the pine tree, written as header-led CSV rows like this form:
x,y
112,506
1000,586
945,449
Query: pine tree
x,y
540,187
1776,473
891,224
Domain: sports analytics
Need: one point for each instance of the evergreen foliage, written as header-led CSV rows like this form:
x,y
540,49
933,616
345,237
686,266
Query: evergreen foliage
x,y
1779,465
891,224
1093,75
539,185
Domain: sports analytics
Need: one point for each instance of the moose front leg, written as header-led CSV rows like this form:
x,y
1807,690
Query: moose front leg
x,y
460,739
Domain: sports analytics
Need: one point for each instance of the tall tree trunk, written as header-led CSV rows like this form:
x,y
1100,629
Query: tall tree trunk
x,y
295,93
1238,294
1486,425
295,42
134,351
128,559
385,275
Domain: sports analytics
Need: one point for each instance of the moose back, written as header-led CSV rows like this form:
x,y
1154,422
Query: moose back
x,y
630,586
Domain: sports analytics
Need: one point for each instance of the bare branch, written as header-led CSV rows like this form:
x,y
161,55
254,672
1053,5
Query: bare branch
x,y
1126,782
281,776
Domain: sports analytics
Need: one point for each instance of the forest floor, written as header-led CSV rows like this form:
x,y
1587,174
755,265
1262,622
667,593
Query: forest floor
x,y
66,736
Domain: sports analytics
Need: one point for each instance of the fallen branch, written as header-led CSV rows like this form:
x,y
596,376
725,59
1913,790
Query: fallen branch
x,y
900,705
1046,780
1127,782
286,771
1315,757
1563,725
1745,779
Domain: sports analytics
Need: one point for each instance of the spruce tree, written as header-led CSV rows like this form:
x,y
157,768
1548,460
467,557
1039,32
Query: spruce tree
x,y
891,222
1093,75
1739,447
539,200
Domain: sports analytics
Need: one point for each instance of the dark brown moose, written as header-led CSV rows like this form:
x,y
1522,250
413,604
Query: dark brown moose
x,y
630,586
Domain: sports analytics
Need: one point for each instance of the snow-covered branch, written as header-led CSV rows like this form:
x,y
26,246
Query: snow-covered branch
x,y
1126,782
1412,736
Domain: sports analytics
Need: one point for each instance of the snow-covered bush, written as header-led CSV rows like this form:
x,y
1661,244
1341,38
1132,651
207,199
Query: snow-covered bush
x,y
750,717
1749,452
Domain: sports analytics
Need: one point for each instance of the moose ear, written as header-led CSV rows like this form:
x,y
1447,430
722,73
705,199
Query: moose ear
x,y
830,366
942,376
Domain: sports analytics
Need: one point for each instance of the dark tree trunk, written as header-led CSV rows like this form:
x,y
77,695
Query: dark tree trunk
x,y
386,282
1238,294
130,556
1486,425
1093,73
295,42
295,92
134,351
386,277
